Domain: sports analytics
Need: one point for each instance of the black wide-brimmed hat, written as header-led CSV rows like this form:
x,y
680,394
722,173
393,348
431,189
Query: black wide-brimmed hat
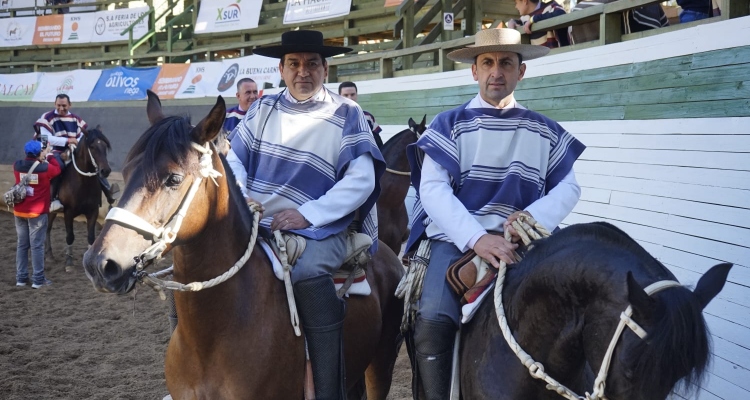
x,y
301,42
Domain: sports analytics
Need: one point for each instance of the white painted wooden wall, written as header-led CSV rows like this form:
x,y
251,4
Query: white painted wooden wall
x,y
681,188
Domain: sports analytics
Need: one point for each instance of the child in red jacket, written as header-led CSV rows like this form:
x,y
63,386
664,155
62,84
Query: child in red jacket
x,y
31,213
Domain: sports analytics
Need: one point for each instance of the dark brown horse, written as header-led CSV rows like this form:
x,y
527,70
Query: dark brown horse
x,y
394,184
80,192
563,303
235,340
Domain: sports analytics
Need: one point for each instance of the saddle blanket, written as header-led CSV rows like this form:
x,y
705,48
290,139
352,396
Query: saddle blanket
x,y
468,310
360,286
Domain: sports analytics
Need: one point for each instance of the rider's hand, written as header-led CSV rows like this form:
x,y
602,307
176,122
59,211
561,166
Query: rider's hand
x,y
508,227
494,248
288,220
72,141
527,27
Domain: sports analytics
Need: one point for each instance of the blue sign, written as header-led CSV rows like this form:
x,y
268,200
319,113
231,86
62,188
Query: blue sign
x,y
123,83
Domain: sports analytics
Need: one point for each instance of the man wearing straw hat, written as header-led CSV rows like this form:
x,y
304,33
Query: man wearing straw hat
x,y
476,169
308,156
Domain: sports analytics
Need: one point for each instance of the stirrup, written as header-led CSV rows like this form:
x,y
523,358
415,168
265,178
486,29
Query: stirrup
x,y
55,206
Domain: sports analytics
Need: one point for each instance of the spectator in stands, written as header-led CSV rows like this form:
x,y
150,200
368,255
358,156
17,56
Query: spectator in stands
x,y
31,213
349,90
62,129
477,168
63,10
247,93
636,20
532,11
694,10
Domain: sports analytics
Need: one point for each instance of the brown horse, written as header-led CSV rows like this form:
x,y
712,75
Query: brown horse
x,y
233,341
394,184
80,192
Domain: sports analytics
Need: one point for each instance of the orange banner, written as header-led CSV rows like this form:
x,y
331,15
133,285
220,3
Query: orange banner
x,y
169,80
49,29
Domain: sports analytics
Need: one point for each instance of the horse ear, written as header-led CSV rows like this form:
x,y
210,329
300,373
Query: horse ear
x,y
412,123
98,128
711,283
641,302
153,108
423,123
209,127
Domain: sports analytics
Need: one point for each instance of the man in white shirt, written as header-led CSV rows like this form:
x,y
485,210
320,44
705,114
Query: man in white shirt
x,y
476,168
308,156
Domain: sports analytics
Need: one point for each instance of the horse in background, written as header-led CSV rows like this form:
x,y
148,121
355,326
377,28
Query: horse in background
x,y
392,216
256,353
80,192
563,302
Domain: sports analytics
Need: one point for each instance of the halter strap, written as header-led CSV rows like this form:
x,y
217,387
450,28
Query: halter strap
x,y
73,156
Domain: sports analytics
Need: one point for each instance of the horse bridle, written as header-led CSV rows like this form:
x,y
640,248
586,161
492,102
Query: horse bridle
x,y
536,369
166,234
73,157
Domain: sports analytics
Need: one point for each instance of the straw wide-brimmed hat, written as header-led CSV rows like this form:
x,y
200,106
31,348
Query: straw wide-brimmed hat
x,y
493,40
301,41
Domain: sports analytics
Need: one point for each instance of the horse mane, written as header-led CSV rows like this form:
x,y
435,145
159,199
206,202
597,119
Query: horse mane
x,y
169,137
93,134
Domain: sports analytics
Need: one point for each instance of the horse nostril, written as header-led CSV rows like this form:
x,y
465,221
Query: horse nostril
x,y
111,269
105,172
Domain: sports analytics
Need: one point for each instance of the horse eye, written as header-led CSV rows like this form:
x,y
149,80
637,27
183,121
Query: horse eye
x,y
174,180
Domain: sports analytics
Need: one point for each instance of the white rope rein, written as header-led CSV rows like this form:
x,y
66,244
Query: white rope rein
x,y
73,157
167,234
411,284
529,229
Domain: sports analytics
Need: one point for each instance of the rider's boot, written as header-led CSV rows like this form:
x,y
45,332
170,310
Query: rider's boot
x,y
110,191
322,315
434,352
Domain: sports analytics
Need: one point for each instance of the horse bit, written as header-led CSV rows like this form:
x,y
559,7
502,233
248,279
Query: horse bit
x,y
536,369
167,233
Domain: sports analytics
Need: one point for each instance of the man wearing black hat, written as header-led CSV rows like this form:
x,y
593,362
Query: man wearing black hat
x,y
308,156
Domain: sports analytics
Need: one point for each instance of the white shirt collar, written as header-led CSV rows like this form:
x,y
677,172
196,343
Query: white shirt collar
x,y
321,95
478,102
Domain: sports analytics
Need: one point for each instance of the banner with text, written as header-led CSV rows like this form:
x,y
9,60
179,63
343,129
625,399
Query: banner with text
x,y
227,15
123,83
200,80
77,84
258,68
78,28
109,24
17,31
169,80
49,30
19,87
313,10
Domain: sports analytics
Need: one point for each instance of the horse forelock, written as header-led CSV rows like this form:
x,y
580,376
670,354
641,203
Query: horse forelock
x,y
93,134
168,138
677,346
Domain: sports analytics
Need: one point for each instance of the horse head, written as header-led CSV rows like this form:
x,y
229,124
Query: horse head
x,y
94,147
162,205
675,348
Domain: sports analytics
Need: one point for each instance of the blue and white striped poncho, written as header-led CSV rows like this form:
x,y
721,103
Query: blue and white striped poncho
x,y
499,161
295,152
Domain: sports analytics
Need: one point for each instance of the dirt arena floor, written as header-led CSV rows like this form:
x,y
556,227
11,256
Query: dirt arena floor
x,y
67,341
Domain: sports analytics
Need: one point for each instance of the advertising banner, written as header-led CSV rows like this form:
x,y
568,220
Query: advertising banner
x,y
227,15
313,10
78,28
391,3
49,30
109,24
169,80
77,84
258,68
18,87
123,83
200,80
17,31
